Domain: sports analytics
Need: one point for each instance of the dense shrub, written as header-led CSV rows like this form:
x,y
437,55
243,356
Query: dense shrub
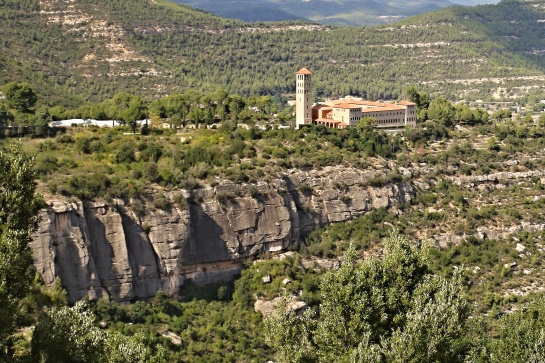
x,y
89,186
125,154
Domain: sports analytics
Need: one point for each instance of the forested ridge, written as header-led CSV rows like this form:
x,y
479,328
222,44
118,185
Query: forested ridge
x,y
90,50
475,295
357,13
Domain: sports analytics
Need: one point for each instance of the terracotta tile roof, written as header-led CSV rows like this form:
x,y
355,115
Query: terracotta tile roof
x,y
377,105
303,71
343,124
367,103
347,105
360,102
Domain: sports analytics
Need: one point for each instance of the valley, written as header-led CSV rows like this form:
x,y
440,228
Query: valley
x,y
197,224
354,13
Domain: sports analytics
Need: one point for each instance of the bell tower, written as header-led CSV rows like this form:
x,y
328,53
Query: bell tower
x,y
303,106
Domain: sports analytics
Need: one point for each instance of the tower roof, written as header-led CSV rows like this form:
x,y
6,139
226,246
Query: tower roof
x,y
303,71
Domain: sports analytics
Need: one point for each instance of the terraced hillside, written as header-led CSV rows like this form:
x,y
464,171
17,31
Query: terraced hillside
x,y
91,49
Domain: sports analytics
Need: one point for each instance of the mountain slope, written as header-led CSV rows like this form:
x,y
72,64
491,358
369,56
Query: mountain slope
x,y
85,47
92,49
332,12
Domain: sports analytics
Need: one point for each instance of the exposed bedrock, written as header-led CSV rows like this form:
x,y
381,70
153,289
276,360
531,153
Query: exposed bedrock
x,y
107,250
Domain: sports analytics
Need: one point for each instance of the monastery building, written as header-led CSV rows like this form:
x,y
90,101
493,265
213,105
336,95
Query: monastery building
x,y
348,111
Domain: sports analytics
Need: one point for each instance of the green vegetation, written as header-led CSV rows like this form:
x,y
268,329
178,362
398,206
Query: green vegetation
x,y
366,12
388,310
476,180
71,334
194,149
397,309
131,166
123,165
161,48
348,316
18,220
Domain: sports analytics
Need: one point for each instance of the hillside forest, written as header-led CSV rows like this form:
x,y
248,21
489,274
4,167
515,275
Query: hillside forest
x,y
477,287
454,274
72,53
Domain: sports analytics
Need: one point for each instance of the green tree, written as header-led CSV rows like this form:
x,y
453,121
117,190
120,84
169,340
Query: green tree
x,y
5,116
442,111
67,335
236,105
41,120
136,110
208,115
464,114
175,104
541,120
196,114
421,99
492,144
411,93
502,114
70,334
367,124
390,310
424,101
521,336
176,121
289,335
19,96
18,220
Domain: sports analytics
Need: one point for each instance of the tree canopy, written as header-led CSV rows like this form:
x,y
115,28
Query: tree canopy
x,y
70,334
19,96
18,220
389,310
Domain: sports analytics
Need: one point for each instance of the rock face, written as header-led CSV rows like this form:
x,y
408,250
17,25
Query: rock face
x,y
107,250
446,239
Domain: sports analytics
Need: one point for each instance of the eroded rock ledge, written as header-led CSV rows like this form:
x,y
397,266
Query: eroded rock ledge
x,y
101,249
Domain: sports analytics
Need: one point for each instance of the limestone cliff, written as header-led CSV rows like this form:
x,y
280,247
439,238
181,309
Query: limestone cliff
x,y
103,249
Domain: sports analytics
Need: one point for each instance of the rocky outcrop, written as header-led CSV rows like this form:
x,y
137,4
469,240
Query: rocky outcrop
x,y
495,177
107,250
292,304
446,239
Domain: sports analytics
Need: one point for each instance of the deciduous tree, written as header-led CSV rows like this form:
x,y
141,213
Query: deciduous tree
x,y
389,310
18,220
70,334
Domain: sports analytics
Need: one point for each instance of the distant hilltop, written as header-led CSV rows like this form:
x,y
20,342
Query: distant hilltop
x,y
327,12
94,49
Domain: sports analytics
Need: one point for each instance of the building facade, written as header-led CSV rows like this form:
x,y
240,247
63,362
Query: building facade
x,y
349,111
303,106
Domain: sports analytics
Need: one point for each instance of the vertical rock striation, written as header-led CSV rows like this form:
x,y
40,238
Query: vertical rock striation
x,y
105,250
